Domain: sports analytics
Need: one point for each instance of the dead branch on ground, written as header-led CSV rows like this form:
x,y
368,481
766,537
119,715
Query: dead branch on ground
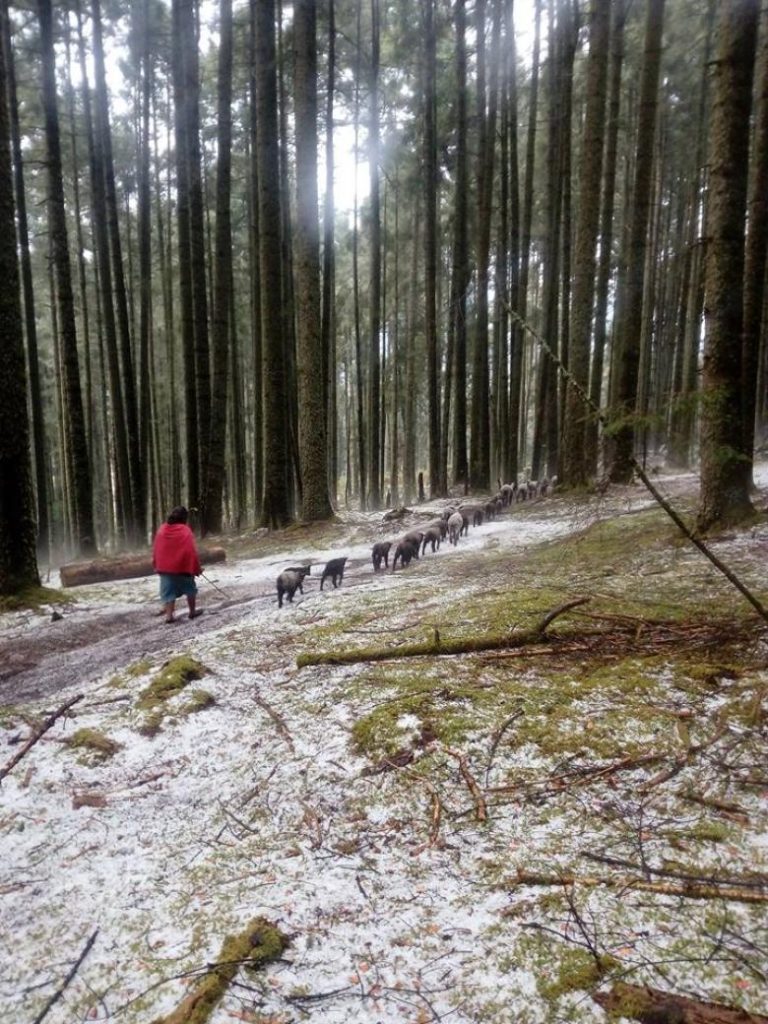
x,y
481,809
647,1004
690,890
438,645
38,733
277,718
68,980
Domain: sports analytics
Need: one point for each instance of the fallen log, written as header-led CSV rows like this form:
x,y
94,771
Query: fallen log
x,y
653,1005
437,645
126,567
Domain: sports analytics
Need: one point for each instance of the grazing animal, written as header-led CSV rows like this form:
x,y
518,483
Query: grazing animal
x,y
507,492
380,553
441,524
455,527
291,580
475,513
405,550
335,569
414,537
432,535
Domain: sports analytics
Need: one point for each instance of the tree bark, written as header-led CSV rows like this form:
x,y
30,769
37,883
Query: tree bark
x,y
18,563
725,468
313,455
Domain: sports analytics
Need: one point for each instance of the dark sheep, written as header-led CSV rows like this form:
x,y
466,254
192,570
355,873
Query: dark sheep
x,y
380,553
291,580
414,537
335,569
405,550
432,535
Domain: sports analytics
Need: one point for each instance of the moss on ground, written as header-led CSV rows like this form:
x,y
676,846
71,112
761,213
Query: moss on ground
x,y
95,745
259,944
33,599
172,678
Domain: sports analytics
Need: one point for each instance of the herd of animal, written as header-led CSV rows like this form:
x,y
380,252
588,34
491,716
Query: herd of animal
x,y
453,523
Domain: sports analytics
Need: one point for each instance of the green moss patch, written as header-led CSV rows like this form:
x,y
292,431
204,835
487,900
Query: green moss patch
x,y
94,744
252,949
198,700
33,599
172,678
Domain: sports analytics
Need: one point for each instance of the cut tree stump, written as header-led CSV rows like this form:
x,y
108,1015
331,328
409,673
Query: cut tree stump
x,y
126,567
652,1006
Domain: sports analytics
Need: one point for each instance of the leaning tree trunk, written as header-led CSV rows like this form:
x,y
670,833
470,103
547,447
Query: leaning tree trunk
x,y
82,497
18,564
724,494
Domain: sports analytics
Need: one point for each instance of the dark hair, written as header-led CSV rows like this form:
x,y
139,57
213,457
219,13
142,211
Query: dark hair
x,y
177,515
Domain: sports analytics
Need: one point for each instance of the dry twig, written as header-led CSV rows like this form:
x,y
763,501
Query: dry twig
x,y
38,733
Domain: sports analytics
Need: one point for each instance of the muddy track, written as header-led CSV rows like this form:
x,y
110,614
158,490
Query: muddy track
x,y
38,662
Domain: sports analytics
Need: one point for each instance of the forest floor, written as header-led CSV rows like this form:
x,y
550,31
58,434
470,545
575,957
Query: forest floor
x,y
498,836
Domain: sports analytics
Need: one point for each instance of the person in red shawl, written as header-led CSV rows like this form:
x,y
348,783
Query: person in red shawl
x,y
175,558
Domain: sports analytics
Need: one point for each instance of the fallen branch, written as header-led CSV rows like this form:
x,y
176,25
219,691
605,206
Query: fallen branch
x,y
277,718
438,645
651,1004
497,736
733,811
38,733
67,981
691,890
260,943
481,809
755,882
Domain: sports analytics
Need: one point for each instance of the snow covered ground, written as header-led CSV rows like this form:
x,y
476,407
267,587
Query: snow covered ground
x,y
388,885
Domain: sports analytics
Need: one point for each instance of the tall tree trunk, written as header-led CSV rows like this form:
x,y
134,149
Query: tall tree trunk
x,y
725,480
186,289
374,360
82,510
147,410
39,446
480,447
460,274
313,453
576,411
630,300
328,321
430,242
755,262
135,511
276,509
222,325
607,207
517,345
18,563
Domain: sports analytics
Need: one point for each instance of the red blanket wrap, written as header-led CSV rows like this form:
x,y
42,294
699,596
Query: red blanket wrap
x,y
174,550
